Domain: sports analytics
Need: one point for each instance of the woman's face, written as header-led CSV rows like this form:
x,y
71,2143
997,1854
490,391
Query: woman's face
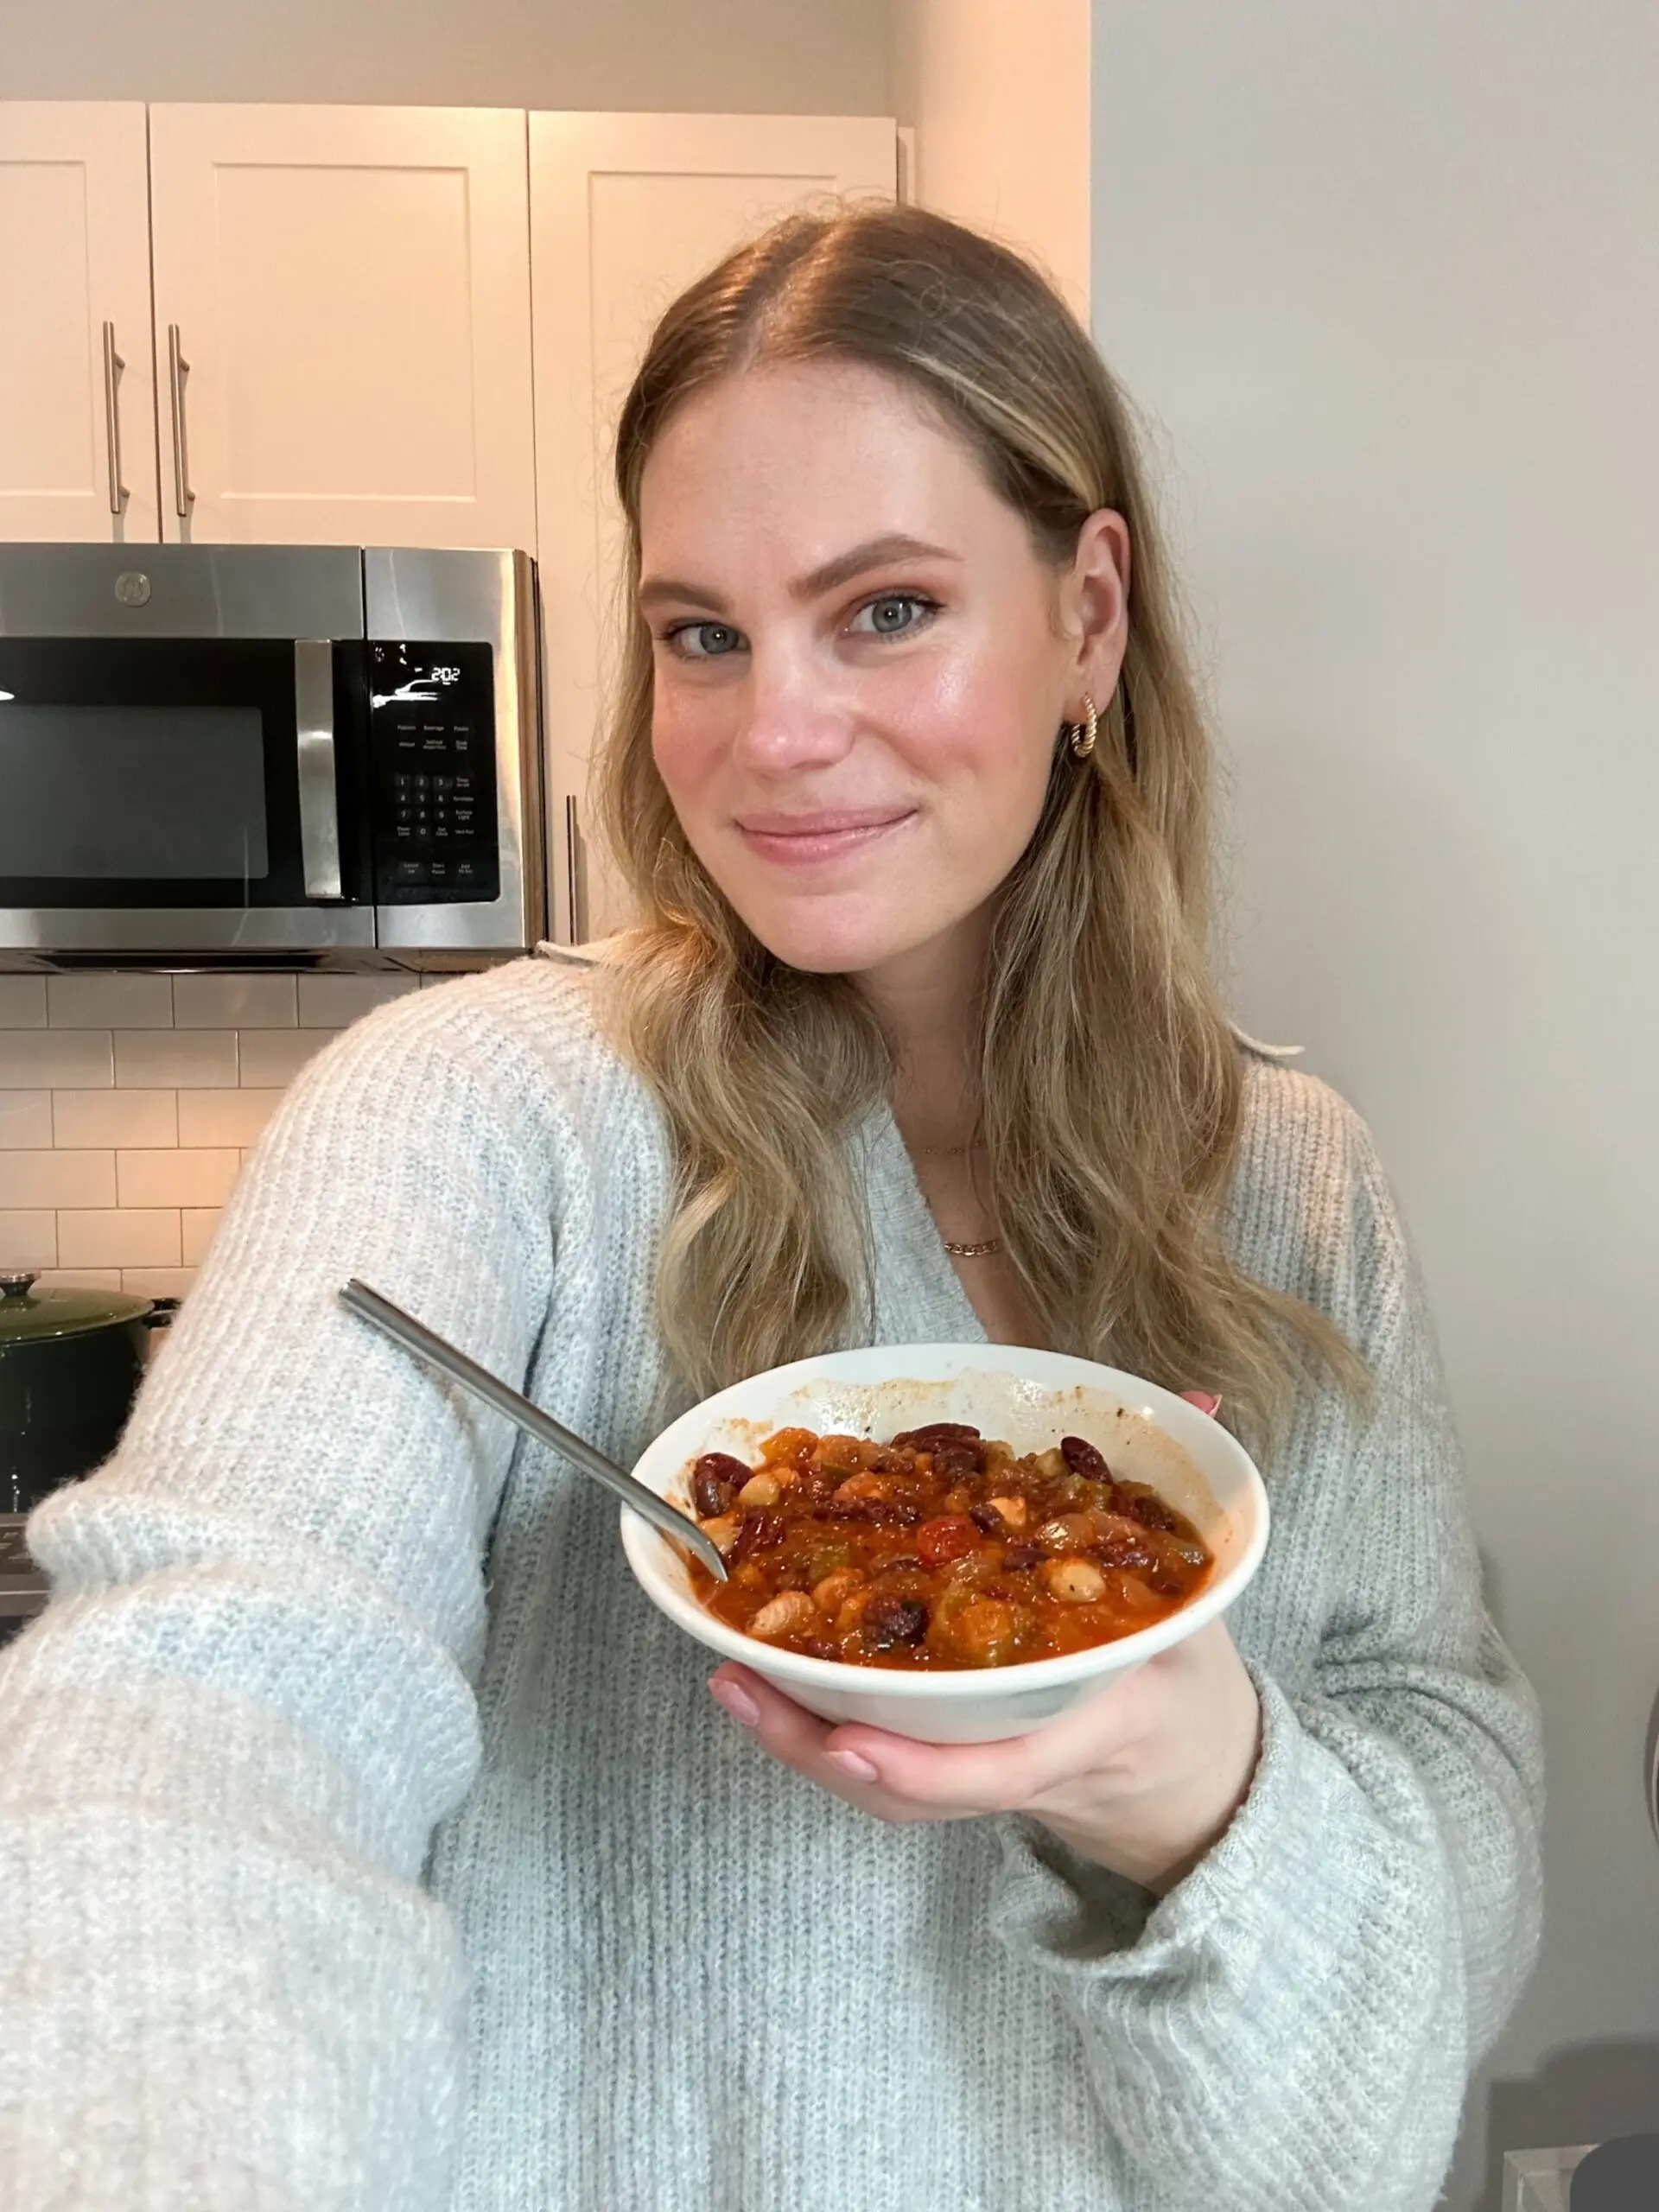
x,y
862,664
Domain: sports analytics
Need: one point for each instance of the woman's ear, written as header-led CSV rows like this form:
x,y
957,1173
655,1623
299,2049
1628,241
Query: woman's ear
x,y
1095,604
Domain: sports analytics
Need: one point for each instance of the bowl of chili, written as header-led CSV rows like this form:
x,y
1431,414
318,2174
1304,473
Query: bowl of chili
x,y
955,1542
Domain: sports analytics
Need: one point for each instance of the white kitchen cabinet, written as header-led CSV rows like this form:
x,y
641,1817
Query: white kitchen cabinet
x,y
624,211
343,325
77,390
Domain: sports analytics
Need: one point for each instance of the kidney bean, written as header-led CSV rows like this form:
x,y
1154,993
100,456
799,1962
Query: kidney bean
x,y
890,1619
987,1520
1151,1512
762,1531
715,1481
1022,1556
1084,1460
935,1434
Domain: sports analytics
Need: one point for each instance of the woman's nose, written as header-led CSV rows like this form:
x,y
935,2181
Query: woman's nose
x,y
789,719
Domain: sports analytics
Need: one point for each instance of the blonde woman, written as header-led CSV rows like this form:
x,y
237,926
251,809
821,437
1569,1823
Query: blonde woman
x,y
373,1843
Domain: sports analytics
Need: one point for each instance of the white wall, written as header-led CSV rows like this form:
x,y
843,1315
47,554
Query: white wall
x,y
1388,278
720,56
998,93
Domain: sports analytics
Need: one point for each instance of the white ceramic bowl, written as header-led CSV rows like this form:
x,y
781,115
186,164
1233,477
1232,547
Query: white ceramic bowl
x,y
1031,1399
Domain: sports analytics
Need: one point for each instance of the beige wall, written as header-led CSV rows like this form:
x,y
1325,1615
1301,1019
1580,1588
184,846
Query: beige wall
x,y
1385,280
998,93
716,56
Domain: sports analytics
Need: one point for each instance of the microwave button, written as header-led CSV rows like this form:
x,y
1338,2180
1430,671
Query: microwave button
x,y
466,874
438,871
412,872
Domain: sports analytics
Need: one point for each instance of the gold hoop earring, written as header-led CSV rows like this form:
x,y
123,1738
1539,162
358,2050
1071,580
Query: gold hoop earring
x,y
1085,733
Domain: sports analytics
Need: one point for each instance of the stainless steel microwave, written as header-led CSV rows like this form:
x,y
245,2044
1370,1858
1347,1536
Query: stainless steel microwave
x,y
297,755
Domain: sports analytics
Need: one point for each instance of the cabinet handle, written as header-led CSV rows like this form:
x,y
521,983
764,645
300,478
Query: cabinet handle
x,y
113,364
575,874
177,369
314,723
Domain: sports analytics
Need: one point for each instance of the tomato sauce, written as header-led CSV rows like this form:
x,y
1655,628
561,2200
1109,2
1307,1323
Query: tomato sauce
x,y
939,1549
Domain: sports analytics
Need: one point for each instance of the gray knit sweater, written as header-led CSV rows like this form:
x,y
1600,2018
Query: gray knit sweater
x,y
370,1840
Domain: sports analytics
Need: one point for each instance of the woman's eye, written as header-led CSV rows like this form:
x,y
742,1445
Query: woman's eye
x,y
704,640
893,613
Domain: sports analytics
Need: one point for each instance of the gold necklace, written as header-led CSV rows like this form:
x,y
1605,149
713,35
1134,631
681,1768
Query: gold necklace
x,y
986,1246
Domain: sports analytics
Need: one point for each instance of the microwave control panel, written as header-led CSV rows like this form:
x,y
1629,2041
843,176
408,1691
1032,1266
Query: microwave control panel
x,y
432,768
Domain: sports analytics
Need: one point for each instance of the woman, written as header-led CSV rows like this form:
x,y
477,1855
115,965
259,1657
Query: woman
x,y
382,1847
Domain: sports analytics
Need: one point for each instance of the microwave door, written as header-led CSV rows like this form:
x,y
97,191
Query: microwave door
x,y
181,795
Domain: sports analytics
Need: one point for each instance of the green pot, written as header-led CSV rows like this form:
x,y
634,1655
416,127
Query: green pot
x,y
71,1362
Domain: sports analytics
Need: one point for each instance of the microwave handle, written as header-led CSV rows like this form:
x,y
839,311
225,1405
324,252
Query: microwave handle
x,y
314,717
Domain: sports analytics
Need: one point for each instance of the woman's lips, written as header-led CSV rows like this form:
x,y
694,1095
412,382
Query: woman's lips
x,y
806,848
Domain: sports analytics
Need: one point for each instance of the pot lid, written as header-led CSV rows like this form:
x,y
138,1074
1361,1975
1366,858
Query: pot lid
x,y
27,1314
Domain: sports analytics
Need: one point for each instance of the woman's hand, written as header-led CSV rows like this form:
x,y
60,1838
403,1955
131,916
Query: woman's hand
x,y
1145,1778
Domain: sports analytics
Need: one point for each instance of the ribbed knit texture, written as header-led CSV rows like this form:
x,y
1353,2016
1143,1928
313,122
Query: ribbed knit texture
x,y
370,1842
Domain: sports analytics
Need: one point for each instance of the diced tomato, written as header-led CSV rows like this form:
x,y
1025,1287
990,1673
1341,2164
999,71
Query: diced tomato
x,y
953,1535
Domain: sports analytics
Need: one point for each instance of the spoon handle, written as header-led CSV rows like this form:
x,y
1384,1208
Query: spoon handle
x,y
416,1338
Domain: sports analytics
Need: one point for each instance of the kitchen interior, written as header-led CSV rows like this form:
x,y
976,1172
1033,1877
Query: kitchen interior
x,y
311,332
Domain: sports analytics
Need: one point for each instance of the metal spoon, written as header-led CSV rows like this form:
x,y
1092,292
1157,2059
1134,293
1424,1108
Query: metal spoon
x,y
416,1338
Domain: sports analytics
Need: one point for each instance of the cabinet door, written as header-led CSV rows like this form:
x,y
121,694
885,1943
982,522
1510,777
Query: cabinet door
x,y
624,211
77,382
343,325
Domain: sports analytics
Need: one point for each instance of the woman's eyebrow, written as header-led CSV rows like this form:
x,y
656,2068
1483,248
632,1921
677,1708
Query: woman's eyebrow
x,y
893,545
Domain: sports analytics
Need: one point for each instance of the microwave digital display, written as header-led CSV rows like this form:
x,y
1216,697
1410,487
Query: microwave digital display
x,y
144,793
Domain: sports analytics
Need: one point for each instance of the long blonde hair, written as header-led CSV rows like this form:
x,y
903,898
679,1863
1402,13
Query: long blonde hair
x,y
1110,1083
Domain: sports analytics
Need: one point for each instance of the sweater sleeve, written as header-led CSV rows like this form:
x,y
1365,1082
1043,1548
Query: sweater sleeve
x,y
249,1700
1292,2027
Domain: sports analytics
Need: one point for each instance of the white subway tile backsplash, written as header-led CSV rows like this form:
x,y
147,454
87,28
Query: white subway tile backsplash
x,y
23,1001
274,1057
110,1001
211,1117
48,1060
28,1238
234,1001
157,1282
57,1178
114,1117
196,1059
198,1224
177,1178
335,1001
79,1279
129,1102
25,1119
130,1237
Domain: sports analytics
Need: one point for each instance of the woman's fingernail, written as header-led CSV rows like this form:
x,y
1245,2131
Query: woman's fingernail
x,y
736,1700
1206,1401
850,1763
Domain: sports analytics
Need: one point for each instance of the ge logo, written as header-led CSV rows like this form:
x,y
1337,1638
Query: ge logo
x,y
132,588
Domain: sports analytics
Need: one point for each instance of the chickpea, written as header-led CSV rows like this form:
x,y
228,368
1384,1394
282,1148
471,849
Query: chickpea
x,y
1074,1581
791,1614
832,1593
721,1531
1013,1510
759,1489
